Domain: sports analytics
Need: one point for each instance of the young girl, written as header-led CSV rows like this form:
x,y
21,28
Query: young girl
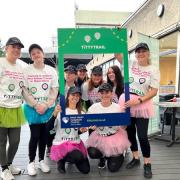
x,y
42,82
107,142
67,145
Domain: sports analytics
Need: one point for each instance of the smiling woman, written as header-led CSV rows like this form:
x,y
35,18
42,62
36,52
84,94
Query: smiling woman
x,y
11,116
144,83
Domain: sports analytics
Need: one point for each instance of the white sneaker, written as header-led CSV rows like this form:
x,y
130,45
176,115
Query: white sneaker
x,y
44,167
6,175
31,169
14,170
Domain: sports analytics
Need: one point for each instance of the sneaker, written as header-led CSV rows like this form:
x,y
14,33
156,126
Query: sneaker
x,y
147,171
48,151
31,169
7,175
44,167
14,170
102,163
133,163
61,166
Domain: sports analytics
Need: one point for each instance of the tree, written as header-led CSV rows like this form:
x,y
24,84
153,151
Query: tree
x,y
2,53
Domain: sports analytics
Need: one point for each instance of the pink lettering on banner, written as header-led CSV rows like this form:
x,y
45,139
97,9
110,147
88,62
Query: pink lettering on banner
x,y
14,75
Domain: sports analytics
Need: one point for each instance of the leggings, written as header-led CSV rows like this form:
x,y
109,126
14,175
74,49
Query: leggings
x,y
13,137
113,163
141,126
77,158
37,138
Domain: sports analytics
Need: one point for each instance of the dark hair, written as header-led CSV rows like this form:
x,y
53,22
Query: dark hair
x,y
119,80
78,105
91,84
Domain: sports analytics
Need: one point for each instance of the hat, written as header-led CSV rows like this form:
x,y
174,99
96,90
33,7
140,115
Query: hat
x,y
14,40
74,89
105,87
81,67
97,70
142,46
71,69
33,46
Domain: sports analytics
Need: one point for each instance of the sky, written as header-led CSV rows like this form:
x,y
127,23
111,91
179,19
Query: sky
x,y
36,21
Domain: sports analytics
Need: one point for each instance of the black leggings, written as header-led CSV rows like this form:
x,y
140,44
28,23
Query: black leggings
x,y
77,158
38,138
113,163
141,126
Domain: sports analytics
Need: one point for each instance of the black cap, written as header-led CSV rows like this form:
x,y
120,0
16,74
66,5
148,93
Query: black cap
x,y
105,87
14,40
71,69
74,89
142,46
33,46
97,70
81,67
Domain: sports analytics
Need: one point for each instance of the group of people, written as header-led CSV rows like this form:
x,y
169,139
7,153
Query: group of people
x,y
38,86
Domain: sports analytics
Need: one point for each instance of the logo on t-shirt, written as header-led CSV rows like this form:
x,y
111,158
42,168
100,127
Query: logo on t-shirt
x,y
21,84
68,130
11,87
142,80
101,128
33,90
44,86
131,79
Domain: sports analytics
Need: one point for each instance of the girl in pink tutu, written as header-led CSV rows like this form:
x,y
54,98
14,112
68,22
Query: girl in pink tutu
x,y
67,145
107,142
144,83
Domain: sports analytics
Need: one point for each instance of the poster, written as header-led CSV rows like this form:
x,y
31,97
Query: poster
x,y
79,43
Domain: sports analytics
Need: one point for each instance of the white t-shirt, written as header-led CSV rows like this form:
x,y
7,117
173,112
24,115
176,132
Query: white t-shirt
x,y
40,81
141,78
115,97
11,82
67,134
97,108
92,95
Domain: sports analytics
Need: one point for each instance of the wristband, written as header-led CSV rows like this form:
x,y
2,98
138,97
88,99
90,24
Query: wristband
x,y
140,100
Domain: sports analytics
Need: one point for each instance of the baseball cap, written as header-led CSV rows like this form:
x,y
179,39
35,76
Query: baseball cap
x,y
105,87
81,67
33,46
142,46
71,69
14,40
74,89
97,70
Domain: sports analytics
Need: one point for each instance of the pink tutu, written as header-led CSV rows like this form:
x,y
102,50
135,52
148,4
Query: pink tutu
x,y
58,152
143,110
110,145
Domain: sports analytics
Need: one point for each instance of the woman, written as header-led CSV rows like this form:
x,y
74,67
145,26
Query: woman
x,y
70,77
102,143
144,83
67,145
115,79
11,116
90,88
81,74
42,82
